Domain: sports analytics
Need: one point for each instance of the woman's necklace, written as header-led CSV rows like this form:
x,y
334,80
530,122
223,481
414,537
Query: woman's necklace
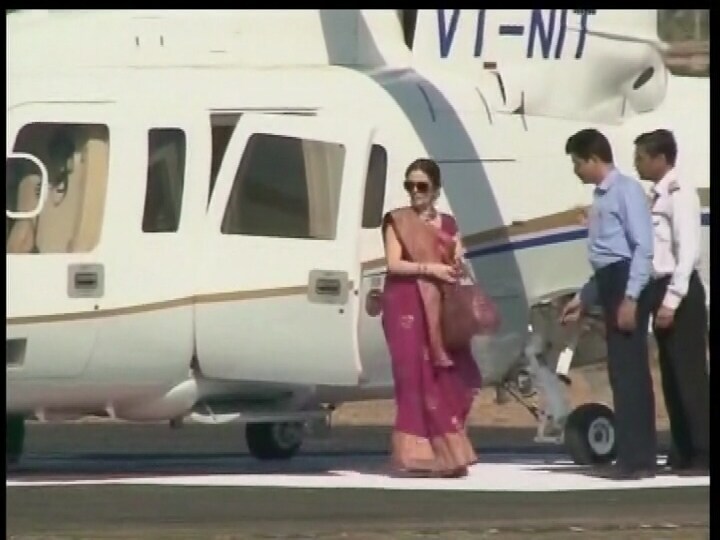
x,y
428,216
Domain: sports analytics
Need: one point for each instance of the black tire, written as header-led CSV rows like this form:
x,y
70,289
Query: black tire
x,y
14,438
590,436
274,441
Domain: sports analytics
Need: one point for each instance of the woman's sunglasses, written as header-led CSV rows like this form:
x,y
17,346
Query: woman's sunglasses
x,y
421,187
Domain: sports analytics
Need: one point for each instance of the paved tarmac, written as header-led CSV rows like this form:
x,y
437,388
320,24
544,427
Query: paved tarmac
x,y
148,481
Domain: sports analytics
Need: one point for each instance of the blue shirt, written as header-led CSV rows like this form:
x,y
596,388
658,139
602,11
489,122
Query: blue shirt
x,y
620,228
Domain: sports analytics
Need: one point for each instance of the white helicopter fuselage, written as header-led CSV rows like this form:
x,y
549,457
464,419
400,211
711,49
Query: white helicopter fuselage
x,y
260,297
238,303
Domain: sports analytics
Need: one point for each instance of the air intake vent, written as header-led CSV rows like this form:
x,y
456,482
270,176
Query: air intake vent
x,y
15,352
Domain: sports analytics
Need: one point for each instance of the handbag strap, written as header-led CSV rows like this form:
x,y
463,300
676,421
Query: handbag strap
x,y
466,277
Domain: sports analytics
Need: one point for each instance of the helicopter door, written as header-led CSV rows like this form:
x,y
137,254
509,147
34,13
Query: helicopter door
x,y
57,170
280,260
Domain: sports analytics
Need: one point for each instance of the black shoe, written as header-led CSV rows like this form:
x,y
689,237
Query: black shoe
x,y
619,472
695,467
689,467
675,462
692,471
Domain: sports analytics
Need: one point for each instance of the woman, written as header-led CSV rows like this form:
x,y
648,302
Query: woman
x,y
434,387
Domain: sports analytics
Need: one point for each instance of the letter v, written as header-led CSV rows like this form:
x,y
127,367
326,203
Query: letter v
x,y
445,34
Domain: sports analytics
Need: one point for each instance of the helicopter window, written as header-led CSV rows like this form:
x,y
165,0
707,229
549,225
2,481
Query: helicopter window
x,y
644,77
165,180
286,187
76,157
375,188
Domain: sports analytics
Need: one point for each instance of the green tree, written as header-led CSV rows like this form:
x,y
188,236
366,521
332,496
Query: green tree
x,y
684,24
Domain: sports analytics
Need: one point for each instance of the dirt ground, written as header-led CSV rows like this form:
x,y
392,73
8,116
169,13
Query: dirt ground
x,y
588,384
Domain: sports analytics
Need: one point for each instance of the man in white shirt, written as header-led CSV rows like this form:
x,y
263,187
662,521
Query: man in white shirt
x,y
678,296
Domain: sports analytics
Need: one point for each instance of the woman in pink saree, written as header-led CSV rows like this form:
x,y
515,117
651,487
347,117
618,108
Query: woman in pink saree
x,y
434,387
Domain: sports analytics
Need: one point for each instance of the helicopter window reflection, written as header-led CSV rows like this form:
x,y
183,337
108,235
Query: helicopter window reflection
x,y
286,187
165,180
76,157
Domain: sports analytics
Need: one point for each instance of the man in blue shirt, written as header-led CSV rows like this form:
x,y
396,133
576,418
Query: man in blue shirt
x,y
620,245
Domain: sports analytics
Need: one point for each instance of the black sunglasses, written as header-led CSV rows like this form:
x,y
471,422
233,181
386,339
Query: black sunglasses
x,y
421,187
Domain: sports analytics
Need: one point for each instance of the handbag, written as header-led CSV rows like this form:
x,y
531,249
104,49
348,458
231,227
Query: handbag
x,y
466,311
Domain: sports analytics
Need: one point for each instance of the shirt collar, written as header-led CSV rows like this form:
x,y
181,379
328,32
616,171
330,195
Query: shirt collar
x,y
608,180
664,183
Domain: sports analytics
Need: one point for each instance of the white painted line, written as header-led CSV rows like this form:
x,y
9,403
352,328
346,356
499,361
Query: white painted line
x,y
482,477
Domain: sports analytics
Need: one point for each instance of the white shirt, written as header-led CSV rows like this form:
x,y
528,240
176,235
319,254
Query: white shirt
x,y
676,228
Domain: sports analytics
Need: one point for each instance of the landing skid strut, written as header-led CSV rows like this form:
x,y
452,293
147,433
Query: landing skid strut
x,y
587,432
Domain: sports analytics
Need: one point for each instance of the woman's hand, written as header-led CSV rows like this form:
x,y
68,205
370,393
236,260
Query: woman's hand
x,y
459,256
443,272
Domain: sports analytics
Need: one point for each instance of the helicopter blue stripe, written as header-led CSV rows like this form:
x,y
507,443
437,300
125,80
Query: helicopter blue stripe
x,y
546,240
554,238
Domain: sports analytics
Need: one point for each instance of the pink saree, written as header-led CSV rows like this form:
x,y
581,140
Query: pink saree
x,y
434,387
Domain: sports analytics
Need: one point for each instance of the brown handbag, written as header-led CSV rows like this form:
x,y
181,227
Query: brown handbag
x,y
466,311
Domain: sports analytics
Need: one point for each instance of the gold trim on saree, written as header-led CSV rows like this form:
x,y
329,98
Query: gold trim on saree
x,y
443,454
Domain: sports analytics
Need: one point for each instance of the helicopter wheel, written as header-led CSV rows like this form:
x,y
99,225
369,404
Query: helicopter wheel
x,y
14,438
273,441
590,434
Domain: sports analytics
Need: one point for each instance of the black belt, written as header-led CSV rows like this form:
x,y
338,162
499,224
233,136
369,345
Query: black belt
x,y
667,276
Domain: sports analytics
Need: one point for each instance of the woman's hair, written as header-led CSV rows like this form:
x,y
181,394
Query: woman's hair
x,y
429,167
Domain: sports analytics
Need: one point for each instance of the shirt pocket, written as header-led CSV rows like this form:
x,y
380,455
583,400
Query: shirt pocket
x,y
662,227
608,224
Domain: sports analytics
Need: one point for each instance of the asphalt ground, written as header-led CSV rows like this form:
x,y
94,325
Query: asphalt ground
x,y
67,451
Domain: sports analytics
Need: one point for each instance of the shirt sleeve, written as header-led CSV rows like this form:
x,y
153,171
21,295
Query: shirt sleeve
x,y
639,233
452,226
686,239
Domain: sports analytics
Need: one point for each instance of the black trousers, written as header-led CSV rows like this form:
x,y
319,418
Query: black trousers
x,y
682,352
629,371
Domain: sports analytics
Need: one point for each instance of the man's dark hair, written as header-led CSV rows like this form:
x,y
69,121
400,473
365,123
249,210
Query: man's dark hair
x,y
660,141
587,143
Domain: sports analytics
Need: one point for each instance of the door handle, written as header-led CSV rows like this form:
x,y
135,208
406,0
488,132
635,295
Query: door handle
x,y
86,281
15,352
328,287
